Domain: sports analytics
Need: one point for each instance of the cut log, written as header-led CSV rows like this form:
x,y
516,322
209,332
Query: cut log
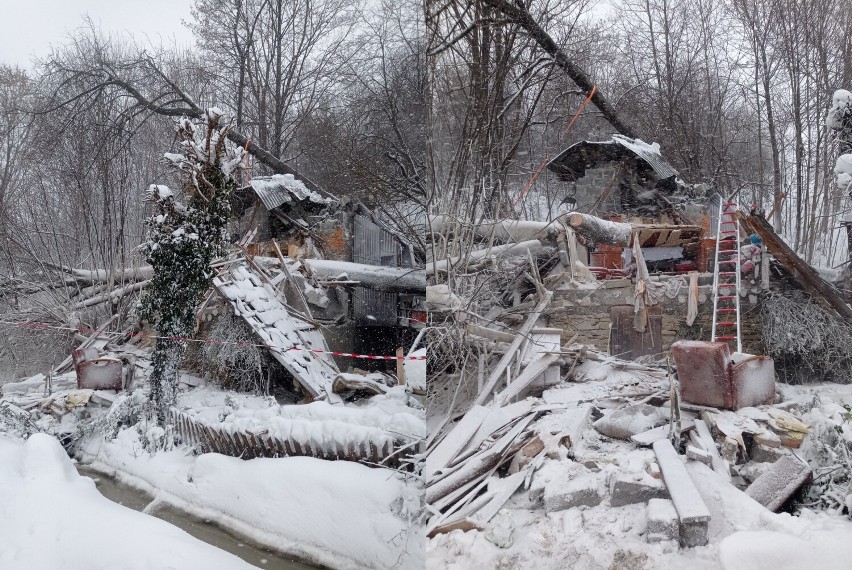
x,y
599,230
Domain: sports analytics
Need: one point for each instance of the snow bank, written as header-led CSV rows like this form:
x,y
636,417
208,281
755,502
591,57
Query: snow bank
x,y
52,518
377,419
338,513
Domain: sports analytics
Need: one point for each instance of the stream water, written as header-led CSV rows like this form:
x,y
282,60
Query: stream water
x,y
205,531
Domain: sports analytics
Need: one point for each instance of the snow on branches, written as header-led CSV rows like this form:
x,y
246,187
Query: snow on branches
x,y
182,240
839,120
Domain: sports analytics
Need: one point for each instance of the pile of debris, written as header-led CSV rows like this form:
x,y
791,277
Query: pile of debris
x,y
556,427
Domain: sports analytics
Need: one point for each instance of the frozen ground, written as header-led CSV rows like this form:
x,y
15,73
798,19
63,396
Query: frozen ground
x,y
339,514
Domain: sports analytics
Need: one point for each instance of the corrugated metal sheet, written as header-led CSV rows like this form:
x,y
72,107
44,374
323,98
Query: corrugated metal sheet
x,y
375,246
375,308
649,154
280,188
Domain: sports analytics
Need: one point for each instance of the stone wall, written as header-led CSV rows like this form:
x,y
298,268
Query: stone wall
x,y
586,312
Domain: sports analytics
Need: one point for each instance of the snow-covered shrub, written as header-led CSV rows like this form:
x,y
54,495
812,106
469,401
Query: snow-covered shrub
x,y
235,361
828,451
181,242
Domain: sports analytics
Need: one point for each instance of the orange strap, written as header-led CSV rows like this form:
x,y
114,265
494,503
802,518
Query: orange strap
x,y
580,110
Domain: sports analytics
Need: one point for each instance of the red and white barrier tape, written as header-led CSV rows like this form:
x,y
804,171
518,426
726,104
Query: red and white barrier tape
x,y
44,326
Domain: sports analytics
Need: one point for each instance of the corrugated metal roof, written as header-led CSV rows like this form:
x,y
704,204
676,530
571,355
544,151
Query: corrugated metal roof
x,y
649,153
574,160
280,188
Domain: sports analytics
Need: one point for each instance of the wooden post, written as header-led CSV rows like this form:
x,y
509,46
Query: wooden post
x,y
400,366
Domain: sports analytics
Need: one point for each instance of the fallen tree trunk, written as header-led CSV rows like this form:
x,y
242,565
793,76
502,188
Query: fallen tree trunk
x,y
531,246
504,230
598,230
522,16
116,276
111,296
398,279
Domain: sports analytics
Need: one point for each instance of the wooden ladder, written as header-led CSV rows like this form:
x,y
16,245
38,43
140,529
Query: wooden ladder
x,y
726,277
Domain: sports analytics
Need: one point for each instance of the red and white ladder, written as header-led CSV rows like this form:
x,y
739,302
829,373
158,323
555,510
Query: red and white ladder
x,y
726,277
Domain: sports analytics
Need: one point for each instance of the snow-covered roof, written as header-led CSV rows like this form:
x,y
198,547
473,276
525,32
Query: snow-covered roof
x,y
280,188
574,160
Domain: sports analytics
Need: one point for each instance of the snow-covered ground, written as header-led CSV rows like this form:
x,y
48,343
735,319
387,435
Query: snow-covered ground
x,y
338,513
53,518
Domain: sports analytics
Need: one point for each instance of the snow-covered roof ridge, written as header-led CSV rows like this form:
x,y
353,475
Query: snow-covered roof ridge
x,y
584,151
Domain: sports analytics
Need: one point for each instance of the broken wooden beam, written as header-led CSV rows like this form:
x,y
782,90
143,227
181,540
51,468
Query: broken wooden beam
x,y
525,378
498,372
806,276
455,440
718,464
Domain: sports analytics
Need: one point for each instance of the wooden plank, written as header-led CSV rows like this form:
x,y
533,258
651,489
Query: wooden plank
x,y
503,491
719,465
454,441
628,343
647,438
479,464
530,373
500,369
691,510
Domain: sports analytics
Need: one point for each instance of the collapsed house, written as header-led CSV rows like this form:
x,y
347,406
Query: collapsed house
x,y
307,277
550,379
627,195
372,317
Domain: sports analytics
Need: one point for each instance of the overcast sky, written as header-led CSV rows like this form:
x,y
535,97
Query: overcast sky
x,y
30,27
